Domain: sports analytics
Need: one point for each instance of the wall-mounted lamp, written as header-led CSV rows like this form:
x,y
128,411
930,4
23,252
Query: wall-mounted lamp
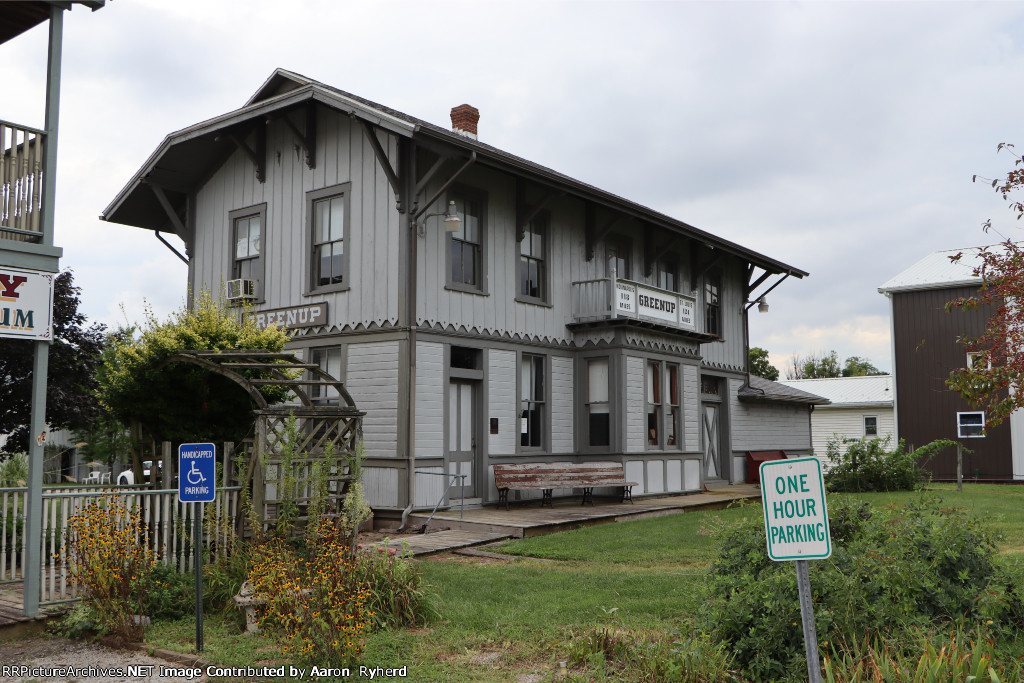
x,y
452,222
762,305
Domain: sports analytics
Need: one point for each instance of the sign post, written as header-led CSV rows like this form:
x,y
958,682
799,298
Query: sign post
x,y
796,528
197,484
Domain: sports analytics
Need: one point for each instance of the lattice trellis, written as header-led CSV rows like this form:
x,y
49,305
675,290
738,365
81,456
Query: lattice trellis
x,y
336,422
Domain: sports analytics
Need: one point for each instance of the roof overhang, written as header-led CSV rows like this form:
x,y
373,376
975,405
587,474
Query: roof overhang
x,y
974,282
18,16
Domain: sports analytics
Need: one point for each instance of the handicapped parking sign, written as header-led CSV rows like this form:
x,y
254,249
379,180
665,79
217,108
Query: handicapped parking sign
x,y
197,472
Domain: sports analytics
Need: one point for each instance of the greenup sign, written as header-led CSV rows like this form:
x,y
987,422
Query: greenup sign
x,y
795,514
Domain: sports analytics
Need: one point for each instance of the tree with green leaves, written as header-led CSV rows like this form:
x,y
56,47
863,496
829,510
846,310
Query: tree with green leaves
x,y
760,366
995,381
74,355
182,402
855,366
817,366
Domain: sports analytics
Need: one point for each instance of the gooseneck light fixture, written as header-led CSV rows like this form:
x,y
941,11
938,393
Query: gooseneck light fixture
x,y
452,222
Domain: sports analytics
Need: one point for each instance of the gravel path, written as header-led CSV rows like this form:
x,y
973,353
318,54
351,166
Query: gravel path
x,y
95,663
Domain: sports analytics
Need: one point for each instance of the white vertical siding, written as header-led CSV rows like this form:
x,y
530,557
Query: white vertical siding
x,y
430,392
371,237
502,401
380,486
691,408
561,404
429,487
674,475
691,475
371,378
636,418
635,472
655,476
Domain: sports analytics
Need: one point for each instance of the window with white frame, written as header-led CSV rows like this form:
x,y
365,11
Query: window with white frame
x,y
329,360
976,361
597,405
531,401
970,425
870,425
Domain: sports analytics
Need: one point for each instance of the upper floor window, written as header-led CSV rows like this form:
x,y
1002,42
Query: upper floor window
x,y
531,401
328,216
247,233
618,257
531,260
668,275
597,405
329,360
712,304
465,250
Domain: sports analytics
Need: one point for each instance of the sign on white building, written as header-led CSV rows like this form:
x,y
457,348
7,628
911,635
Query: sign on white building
x,y
26,304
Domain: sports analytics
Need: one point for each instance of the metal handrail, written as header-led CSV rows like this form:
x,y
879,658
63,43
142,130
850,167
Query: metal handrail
x,y
462,490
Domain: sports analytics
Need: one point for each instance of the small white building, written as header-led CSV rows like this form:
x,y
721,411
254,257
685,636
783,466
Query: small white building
x,y
860,407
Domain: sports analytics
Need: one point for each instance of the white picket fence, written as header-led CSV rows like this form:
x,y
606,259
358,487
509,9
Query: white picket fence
x,y
166,529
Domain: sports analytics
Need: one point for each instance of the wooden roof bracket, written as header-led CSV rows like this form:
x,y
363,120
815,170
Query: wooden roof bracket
x,y
161,197
444,188
593,233
697,269
307,139
765,292
257,156
382,159
525,213
751,286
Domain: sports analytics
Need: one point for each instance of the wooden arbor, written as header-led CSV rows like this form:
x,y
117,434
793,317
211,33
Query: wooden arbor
x,y
322,420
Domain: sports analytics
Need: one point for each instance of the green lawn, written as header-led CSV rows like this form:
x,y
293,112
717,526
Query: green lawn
x,y
503,620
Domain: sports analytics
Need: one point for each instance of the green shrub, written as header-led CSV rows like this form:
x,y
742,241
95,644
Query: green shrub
x,y
172,593
891,570
397,597
223,578
869,465
672,659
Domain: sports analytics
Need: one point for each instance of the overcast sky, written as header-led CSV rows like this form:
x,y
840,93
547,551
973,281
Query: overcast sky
x,y
837,137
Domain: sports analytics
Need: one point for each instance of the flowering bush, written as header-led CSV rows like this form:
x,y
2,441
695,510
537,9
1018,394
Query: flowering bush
x,y
319,601
112,568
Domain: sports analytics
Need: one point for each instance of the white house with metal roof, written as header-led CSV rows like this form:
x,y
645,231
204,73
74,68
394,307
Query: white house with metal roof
x,y
860,407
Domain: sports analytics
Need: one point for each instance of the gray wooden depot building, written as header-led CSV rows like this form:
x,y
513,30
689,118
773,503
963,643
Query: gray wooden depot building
x,y
480,308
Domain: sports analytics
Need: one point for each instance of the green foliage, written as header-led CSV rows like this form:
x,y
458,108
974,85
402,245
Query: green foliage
x,y
760,366
172,594
929,658
855,366
892,570
223,578
869,465
396,594
671,659
183,402
14,470
73,357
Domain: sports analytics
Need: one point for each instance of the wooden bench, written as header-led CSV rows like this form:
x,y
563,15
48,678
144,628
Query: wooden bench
x,y
550,476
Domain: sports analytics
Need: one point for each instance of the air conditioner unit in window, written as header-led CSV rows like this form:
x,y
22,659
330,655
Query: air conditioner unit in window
x,y
241,289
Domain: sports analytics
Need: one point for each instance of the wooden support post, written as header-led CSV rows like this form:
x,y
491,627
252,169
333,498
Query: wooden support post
x,y
959,467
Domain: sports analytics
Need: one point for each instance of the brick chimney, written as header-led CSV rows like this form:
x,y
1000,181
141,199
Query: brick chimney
x,y
464,120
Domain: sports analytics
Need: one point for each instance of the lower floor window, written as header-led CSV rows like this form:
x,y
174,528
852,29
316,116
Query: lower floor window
x,y
531,401
598,408
663,408
329,360
870,425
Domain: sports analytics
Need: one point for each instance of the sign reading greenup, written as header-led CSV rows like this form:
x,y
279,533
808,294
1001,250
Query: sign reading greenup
x,y
795,514
26,304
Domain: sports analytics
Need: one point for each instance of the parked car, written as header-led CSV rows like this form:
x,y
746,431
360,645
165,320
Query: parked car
x,y
127,477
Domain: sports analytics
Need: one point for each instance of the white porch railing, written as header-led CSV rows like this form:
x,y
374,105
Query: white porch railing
x,y
165,522
21,181
613,298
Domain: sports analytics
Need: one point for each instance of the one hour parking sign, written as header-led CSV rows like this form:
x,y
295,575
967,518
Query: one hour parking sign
x,y
795,514
197,472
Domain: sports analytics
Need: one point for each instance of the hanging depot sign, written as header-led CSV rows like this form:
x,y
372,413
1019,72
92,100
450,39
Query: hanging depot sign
x,y
26,304
795,514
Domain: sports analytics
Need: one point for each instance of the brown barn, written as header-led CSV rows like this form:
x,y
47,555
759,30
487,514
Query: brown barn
x,y
925,350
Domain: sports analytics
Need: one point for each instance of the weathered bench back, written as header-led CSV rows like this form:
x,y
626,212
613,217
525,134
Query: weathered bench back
x,y
549,476
559,475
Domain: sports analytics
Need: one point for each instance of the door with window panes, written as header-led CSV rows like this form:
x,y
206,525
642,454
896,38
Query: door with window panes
x,y
462,433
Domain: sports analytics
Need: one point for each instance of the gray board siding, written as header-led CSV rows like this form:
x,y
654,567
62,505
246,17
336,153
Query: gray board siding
x,y
430,393
372,235
727,354
561,404
758,425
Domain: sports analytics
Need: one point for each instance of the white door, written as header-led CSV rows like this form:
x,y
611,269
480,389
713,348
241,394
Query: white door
x,y
462,439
